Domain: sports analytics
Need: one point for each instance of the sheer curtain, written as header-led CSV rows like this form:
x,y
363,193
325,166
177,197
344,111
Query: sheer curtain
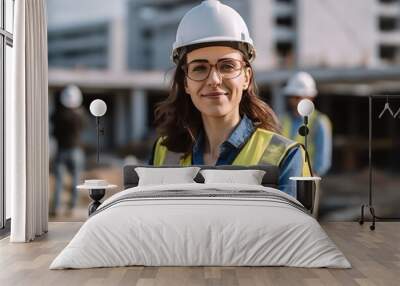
x,y
27,124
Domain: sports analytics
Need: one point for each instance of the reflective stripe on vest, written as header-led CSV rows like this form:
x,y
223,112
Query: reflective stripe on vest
x,y
287,129
263,147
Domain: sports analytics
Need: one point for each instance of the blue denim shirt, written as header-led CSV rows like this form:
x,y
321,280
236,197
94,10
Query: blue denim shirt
x,y
291,166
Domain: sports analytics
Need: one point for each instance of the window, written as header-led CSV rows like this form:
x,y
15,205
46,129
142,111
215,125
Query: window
x,y
83,46
284,21
389,54
6,44
387,24
284,51
285,1
388,1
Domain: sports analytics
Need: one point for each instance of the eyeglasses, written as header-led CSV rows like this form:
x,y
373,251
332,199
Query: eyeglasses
x,y
199,70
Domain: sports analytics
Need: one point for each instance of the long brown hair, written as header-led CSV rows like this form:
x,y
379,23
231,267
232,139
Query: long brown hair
x,y
179,121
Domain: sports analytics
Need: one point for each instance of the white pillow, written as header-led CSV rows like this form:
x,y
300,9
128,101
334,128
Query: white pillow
x,y
249,177
162,176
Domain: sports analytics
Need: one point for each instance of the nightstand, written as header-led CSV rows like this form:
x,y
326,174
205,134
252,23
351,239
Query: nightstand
x,y
97,190
307,189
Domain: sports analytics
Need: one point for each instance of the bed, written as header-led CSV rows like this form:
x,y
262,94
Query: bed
x,y
201,224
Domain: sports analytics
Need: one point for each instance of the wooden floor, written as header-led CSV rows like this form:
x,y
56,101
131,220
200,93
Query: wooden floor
x,y
375,256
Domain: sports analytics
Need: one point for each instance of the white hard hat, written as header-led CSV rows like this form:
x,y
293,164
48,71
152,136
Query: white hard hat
x,y
301,84
71,96
212,22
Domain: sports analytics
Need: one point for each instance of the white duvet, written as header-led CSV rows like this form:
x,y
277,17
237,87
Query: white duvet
x,y
206,230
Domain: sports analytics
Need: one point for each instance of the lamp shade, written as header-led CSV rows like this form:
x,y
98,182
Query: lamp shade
x,y
305,107
98,107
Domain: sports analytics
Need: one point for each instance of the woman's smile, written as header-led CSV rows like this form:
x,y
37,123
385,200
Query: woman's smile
x,y
214,94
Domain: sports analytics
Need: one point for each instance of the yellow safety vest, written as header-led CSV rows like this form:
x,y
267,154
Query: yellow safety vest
x,y
263,147
287,127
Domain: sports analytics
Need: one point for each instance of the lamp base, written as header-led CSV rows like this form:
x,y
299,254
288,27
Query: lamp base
x,y
96,195
372,211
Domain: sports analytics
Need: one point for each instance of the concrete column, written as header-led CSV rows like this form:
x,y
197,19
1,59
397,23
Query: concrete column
x,y
278,100
120,126
118,53
138,112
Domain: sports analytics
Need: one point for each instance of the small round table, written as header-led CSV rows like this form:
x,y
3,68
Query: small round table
x,y
96,193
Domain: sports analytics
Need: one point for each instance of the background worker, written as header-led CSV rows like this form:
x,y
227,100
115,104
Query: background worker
x,y
301,85
69,119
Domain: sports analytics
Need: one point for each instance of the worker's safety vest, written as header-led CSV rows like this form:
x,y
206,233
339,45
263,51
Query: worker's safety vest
x,y
287,127
263,147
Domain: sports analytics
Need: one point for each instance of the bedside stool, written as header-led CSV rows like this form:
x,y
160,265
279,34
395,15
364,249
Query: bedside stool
x,y
96,193
307,189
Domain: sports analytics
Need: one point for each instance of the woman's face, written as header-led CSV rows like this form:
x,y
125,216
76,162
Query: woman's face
x,y
217,96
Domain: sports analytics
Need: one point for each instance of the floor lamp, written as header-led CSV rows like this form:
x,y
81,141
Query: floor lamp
x,y
98,108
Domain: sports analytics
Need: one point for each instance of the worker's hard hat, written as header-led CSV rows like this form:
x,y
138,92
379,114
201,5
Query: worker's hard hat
x,y
301,84
71,96
211,23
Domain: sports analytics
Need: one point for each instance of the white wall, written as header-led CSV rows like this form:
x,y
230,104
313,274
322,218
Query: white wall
x,y
336,33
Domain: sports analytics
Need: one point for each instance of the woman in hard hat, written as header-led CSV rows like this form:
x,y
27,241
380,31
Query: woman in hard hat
x,y
300,86
213,115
